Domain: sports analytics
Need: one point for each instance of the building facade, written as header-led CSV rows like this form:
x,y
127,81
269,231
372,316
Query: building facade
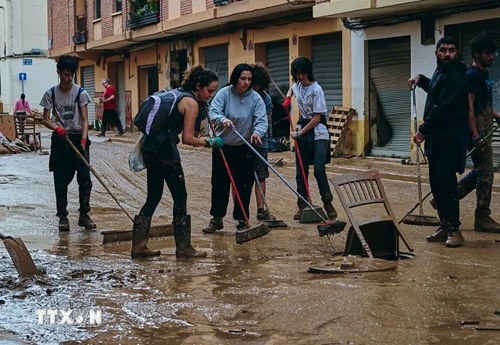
x,y
24,66
363,51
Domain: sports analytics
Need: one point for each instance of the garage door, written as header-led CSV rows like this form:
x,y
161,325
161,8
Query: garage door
x,y
279,67
327,66
389,64
120,90
88,84
216,60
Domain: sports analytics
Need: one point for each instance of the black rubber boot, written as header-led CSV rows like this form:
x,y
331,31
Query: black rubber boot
x,y
63,224
182,235
140,236
85,221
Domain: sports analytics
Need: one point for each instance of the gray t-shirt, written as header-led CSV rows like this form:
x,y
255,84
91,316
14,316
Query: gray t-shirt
x,y
66,107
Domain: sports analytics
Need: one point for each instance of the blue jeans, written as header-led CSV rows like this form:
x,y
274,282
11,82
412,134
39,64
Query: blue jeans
x,y
316,157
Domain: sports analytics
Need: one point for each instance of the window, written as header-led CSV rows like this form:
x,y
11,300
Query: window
x,y
118,5
97,9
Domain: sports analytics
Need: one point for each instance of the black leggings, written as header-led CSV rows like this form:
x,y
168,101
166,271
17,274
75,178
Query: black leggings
x,y
159,170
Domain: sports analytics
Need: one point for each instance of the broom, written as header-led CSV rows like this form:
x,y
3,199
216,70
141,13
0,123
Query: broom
x,y
420,219
430,192
310,214
250,233
323,229
271,223
121,235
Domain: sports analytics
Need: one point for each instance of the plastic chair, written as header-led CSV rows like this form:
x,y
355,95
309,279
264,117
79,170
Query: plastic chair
x,y
376,234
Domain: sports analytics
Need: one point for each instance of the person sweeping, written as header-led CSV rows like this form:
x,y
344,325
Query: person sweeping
x,y
163,163
312,134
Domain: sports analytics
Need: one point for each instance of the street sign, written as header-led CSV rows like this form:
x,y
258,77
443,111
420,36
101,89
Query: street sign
x,y
28,62
22,76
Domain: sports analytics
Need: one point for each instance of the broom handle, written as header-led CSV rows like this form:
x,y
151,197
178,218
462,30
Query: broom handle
x,y
430,192
299,158
278,174
419,178
228,170
96,175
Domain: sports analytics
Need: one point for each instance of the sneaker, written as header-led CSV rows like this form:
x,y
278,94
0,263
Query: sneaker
x,y
455,239
63,224
86,222
441,235
330,211
214,225
101,135
242,225
433,203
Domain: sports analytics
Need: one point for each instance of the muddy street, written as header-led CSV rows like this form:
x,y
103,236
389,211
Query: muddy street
x,y
259,292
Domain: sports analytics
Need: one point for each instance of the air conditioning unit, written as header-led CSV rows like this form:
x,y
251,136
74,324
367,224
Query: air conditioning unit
x,y
222,2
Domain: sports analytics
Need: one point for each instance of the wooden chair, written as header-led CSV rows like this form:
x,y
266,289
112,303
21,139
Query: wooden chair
x,y
26,127
377,233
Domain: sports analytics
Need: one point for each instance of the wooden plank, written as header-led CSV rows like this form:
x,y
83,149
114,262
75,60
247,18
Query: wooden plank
x,y
338,124
8,127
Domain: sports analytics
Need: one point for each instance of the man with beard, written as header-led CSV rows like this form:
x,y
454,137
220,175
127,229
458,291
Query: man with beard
x,y
446,133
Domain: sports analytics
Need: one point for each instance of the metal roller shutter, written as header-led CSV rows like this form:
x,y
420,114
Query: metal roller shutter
x,y
467,32
216,60
120,90
88,83
327,66
390,67
277,63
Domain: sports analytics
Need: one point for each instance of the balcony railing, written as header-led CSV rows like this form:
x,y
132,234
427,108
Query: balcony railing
x,y
79,37
143,12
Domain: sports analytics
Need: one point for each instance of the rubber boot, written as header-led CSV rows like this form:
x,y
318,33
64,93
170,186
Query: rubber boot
x,y
214,225
182,235
140,236
485,223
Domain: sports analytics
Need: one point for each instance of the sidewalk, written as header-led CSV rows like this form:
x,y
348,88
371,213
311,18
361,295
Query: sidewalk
x,y
389,168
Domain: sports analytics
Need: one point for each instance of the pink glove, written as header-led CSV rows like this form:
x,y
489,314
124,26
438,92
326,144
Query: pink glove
x,y
60,131
83,143
287,103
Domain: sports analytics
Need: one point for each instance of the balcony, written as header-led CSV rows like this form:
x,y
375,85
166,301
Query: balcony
x,y
142,13
80,37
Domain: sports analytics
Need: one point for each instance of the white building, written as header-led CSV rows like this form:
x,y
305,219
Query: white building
x,y
23,40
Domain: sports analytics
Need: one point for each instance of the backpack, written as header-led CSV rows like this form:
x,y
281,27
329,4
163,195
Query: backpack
x,y
53,95
155,110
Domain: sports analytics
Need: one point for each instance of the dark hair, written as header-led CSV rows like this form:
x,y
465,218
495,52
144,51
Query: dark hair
x,y
198,74
23,96
302,65
66,62
260,76
446,40
235,75
481,44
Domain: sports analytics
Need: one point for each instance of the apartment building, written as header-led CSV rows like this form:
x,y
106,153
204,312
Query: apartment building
x,y
24,66
363,51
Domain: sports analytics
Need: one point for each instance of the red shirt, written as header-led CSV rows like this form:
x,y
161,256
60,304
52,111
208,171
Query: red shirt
x,y
111,104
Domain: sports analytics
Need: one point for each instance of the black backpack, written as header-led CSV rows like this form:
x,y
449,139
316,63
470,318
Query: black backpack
x,y
155,110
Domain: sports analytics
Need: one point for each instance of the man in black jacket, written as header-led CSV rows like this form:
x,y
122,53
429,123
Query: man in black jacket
x,y
446,133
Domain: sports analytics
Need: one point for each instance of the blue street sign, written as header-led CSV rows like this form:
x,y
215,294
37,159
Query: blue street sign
x,y
28,62
22,76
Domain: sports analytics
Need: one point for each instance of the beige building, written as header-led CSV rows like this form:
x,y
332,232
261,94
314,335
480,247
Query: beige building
x,y
362,51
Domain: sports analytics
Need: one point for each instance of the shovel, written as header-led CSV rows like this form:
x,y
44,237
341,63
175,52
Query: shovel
x,y
20,256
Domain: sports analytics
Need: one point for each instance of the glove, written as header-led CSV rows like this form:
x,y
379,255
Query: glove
x,y
83,143
287,103
60,131
479,140
216,142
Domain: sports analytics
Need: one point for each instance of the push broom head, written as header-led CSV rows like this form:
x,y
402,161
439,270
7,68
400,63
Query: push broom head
x,y
413,219
251,233
331,228
310,215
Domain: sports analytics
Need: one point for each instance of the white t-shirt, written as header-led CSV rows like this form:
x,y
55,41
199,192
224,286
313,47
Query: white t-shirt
x,y
66,107
311,100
